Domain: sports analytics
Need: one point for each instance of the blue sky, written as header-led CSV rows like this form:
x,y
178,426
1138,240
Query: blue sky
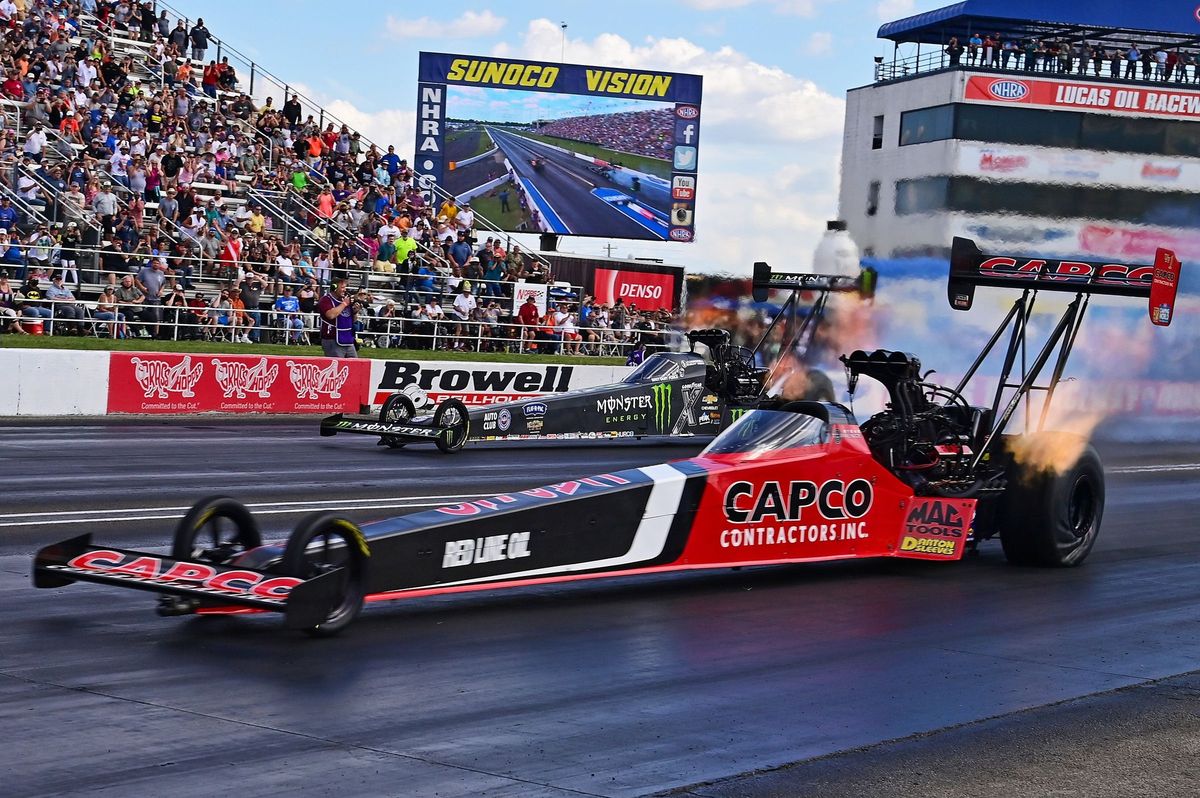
x,y
775,76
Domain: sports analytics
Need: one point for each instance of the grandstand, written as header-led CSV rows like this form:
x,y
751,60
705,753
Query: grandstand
x,y
134,137
645,133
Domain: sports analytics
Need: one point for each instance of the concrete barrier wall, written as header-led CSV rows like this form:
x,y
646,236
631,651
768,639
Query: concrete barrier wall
x,y
51,382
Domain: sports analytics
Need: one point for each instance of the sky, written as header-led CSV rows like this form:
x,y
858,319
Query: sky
x,y
775,78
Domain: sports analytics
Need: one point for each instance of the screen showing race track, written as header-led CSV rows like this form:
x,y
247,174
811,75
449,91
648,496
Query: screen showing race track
x,y
562,148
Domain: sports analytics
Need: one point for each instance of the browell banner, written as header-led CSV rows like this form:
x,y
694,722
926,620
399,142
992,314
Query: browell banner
x,y
154,382
428,382
1132,100
647,290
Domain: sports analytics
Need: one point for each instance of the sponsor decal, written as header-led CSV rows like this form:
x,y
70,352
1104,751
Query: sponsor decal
x,y
994,162
492,548
534,425
1166,173
833,499
504,419
647,290
392,429
473,386
737,412
661,392
568,488
1008,90
687,111
239,378
624,408
1065,271
937,518
691,396
935,546
310,381
681,234
534,410
159,378
224,583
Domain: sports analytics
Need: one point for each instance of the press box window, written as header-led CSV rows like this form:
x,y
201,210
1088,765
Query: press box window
x,y
873,198
926,124
877,134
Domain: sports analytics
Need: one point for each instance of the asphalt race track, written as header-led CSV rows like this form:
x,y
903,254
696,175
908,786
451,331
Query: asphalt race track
x,y
854,678
566,184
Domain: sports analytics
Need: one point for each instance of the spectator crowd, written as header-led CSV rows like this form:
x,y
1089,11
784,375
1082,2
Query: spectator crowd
x,y
646,133
134,161
1107,59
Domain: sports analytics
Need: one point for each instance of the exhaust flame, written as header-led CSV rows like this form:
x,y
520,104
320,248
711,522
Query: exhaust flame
x,y
1060,447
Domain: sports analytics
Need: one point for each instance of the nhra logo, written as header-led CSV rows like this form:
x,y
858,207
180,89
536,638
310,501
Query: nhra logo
x,y
534,410
236,377
936,518
1008,90
687,112
681,234
161,378
834,499
311,381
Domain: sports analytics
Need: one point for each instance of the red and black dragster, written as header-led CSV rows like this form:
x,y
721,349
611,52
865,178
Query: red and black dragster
x,y
927,478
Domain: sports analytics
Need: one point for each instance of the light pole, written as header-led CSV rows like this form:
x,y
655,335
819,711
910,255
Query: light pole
x,y
563,55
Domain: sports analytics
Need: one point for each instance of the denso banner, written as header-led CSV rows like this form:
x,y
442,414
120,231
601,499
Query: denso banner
x,y
156,382
1132,100
428,382
647,290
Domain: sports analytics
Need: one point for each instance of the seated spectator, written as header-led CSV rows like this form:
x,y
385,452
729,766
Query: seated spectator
x,y
10,318
107,310
64,308
287,314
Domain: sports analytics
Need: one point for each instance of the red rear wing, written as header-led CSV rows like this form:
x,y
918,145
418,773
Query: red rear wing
x,y
970,268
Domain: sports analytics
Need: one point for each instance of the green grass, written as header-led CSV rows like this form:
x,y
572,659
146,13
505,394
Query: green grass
x,y
641,163
483,142
488,206
219,348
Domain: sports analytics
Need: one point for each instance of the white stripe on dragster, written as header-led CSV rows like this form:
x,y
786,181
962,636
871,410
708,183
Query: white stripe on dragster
x,y
647,544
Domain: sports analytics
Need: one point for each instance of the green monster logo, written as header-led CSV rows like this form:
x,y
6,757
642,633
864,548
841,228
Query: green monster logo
x,y
662,406
737,412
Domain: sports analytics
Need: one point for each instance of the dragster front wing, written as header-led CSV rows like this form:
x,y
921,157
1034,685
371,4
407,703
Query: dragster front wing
x,y
304,603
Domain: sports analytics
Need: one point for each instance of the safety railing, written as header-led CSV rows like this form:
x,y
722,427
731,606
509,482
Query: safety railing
x,y
182,318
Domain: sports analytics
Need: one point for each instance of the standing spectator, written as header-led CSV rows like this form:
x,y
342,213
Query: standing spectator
x,y
199,37
954,50
239,318
337,322
150,279
464,306
973,45
1132,57
252,288
528,316
104,205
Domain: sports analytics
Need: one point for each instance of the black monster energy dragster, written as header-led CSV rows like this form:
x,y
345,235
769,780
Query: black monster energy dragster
x,y
670,394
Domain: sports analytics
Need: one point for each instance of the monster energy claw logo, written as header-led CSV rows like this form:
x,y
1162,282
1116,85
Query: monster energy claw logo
x,y
737,412
662,406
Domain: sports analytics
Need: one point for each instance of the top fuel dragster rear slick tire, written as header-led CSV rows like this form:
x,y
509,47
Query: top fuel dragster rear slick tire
x,y
1050,518
323,542
202,521
397,409
451,415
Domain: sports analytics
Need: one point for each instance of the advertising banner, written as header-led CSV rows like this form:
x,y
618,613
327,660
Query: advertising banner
x,y
1046,165
428,382
523,290
649,291
562,148
1132,100
156,382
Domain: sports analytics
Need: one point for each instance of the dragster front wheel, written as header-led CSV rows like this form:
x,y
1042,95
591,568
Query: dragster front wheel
x,y
451,416
397,409
216,530
322,543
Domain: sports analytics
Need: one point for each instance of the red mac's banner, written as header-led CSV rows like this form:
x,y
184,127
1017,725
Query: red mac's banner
x,y
153,382
1134,100
649,291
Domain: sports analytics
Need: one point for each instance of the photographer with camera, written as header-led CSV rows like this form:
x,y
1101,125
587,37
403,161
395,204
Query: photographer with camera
x,y
337,321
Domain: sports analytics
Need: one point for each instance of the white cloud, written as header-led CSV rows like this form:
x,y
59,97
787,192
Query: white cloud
x,y
469,25
888,10
819,43
716,5
799,8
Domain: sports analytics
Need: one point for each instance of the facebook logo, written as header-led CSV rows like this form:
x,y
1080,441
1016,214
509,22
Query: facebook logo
x,y
685,131
685,159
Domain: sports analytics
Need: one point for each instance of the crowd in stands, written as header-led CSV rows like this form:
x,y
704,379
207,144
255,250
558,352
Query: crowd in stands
x,y
1132,62
639,132
134,163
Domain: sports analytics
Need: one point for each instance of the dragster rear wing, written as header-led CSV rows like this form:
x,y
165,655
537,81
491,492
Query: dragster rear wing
x,y
969,268
766,279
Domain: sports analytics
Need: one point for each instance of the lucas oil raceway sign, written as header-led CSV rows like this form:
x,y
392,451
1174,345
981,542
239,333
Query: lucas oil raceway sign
x,y
1065,94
